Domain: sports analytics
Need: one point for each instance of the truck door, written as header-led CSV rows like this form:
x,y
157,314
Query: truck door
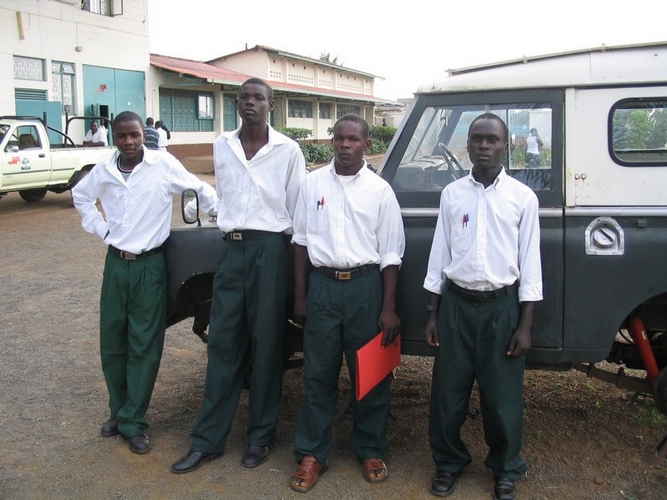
x,y
429,152
616,211
30,165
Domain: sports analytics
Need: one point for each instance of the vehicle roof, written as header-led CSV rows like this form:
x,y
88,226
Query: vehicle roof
x,y
613,65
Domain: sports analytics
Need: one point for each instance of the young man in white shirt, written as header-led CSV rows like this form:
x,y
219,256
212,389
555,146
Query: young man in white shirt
x,y
96,136
162,142
348,226
136,188
484,275
258,172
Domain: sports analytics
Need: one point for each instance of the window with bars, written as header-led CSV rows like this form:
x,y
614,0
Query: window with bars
x,y
103,7
29,68
180,111
347,109
325,110
62,84
300,109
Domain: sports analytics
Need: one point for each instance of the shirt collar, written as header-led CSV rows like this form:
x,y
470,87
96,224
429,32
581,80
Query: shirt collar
x,y
275,137
150,157
364,170
497,182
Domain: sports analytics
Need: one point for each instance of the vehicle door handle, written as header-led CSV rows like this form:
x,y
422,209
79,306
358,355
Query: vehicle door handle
x,y
42,155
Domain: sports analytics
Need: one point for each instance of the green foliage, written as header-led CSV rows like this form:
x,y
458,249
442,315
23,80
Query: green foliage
x,y
316,153
384,134
295,133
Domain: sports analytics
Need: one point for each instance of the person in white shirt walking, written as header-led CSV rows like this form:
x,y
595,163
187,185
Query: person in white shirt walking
x,y
258,172
484,277
135,187
348,225
163,141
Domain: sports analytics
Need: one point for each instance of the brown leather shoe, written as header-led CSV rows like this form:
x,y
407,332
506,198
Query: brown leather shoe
x,y
375,471
307,473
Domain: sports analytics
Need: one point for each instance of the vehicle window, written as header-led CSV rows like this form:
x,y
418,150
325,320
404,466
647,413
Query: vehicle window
x,y
436,154
28,137
638,132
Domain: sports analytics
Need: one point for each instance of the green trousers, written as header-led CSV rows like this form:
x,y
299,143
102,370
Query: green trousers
x,y
474,337
133,311
247,324
341,317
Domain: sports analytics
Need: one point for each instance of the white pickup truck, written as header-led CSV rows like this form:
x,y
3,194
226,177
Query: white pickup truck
x,y
31,165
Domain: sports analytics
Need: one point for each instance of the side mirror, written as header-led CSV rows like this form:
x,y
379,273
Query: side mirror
x,y
190,207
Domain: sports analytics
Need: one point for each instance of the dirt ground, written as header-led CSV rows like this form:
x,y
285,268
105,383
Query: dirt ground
x,y
583,439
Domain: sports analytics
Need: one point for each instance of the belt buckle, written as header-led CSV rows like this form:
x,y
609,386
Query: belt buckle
x,y
127,255
236,236
480,296
343,275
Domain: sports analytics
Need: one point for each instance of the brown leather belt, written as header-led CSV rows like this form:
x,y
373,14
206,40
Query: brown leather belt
x,y
133,256
346,274
478,295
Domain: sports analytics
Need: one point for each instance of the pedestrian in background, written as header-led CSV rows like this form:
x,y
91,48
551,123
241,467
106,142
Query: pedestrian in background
x,y
152,138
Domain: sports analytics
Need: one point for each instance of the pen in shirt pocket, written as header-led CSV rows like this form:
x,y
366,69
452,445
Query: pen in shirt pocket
x,y
464,221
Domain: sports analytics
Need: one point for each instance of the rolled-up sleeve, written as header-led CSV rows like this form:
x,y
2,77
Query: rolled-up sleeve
x,y
530,262
390,231
440,256
300,217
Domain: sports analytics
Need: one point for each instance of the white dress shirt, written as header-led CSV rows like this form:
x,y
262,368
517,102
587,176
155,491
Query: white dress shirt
x,y
487,239
349,221
137,212
162,142
99,136
260,193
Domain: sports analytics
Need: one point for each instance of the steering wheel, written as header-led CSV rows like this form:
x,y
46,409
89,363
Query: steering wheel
x,y
451,160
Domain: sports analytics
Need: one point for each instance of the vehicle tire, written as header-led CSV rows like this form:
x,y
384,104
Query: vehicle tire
x,y
660,391
33,195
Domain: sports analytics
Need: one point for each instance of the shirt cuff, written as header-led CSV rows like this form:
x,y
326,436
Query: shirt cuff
x,y
433,285
530,293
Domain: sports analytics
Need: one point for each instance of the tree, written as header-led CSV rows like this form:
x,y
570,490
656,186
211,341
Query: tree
x,y
326,57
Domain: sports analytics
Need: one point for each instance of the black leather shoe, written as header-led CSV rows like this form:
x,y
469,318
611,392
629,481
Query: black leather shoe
x,y
138,444
505,489
110,428
444,483
192,461
255,455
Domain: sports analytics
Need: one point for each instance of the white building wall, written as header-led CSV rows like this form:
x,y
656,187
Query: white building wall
x,y
250,63
60,30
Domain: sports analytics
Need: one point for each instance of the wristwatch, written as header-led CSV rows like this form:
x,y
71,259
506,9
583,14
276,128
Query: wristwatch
x,y
431,308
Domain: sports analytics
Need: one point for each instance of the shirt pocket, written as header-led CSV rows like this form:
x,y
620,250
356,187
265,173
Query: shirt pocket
x,y
463,235
318,221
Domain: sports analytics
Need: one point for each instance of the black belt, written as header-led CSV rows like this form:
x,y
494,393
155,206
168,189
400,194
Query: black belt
x,y
133,256
480,296
247,234
346,274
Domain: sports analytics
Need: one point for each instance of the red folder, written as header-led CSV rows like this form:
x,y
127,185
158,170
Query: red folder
x,y
375,362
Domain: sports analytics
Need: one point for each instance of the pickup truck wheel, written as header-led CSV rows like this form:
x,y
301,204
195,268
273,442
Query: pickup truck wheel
x,y
660,391
33,195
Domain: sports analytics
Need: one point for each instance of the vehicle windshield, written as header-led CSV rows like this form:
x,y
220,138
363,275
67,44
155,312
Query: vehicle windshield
x,y
436,154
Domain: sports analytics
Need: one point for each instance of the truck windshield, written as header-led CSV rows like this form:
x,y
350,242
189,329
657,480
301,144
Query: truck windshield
x,y
436,153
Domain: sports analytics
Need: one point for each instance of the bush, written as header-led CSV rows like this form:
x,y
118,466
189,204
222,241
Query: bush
x,y
295,133
316,153
384,134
